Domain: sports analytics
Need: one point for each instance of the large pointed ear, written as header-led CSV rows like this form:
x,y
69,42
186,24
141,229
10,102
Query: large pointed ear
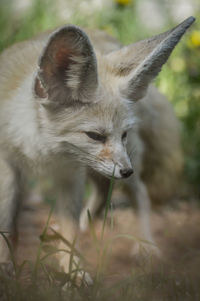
x,y
136,65
67,68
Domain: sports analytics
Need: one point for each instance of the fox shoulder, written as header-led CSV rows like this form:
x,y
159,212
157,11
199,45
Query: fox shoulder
x,y
16,63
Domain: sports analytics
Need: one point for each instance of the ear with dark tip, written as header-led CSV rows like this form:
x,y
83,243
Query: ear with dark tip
x,y
138,64
67,68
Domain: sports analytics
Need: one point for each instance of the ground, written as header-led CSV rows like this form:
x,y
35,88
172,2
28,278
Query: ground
x,y
172,276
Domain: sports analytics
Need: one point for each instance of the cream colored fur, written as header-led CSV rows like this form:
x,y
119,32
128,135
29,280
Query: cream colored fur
x,y
66,103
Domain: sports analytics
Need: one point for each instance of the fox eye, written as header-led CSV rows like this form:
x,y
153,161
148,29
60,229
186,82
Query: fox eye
x,y
124,135
96,136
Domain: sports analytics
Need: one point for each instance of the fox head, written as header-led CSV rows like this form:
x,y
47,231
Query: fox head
x,y
87,99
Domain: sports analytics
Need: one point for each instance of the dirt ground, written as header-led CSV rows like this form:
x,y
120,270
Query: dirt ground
x,y
176,231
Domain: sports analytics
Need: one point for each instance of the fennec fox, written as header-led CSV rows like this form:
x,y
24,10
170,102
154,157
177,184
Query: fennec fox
x,y
69,101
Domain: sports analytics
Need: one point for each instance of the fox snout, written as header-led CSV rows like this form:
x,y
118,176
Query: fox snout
x,y
119,173
115,161
123,171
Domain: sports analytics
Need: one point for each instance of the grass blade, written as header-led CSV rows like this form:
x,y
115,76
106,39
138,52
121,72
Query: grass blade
x,y
108,201
9,245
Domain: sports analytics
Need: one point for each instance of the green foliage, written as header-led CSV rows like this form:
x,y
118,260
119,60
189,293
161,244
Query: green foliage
x,y
180,81
39,18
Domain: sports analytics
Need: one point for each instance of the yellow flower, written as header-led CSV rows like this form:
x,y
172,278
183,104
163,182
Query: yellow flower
x,y
177,64
109,30
123,2
195,38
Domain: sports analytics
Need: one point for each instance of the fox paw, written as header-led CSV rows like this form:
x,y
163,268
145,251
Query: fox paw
x,y
145,249
81,278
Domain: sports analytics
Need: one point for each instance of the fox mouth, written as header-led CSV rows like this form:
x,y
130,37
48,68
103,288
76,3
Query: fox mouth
x,y
110,177
117,173
115,177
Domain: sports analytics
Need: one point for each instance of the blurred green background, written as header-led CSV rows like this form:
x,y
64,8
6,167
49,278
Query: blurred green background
x,y
128,21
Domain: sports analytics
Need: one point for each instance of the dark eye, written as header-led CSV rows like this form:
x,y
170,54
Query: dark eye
x,y
124,135
96,136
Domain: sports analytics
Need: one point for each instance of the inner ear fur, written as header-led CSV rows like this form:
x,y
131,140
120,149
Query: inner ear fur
x,y
138,64
67,68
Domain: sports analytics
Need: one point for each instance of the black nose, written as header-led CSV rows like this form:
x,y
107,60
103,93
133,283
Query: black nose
x,y
125,173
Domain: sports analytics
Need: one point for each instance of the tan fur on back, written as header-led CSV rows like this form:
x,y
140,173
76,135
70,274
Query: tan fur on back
x,y
16,63
160,131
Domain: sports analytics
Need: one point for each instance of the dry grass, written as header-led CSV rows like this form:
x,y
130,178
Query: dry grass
x,y
174,276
